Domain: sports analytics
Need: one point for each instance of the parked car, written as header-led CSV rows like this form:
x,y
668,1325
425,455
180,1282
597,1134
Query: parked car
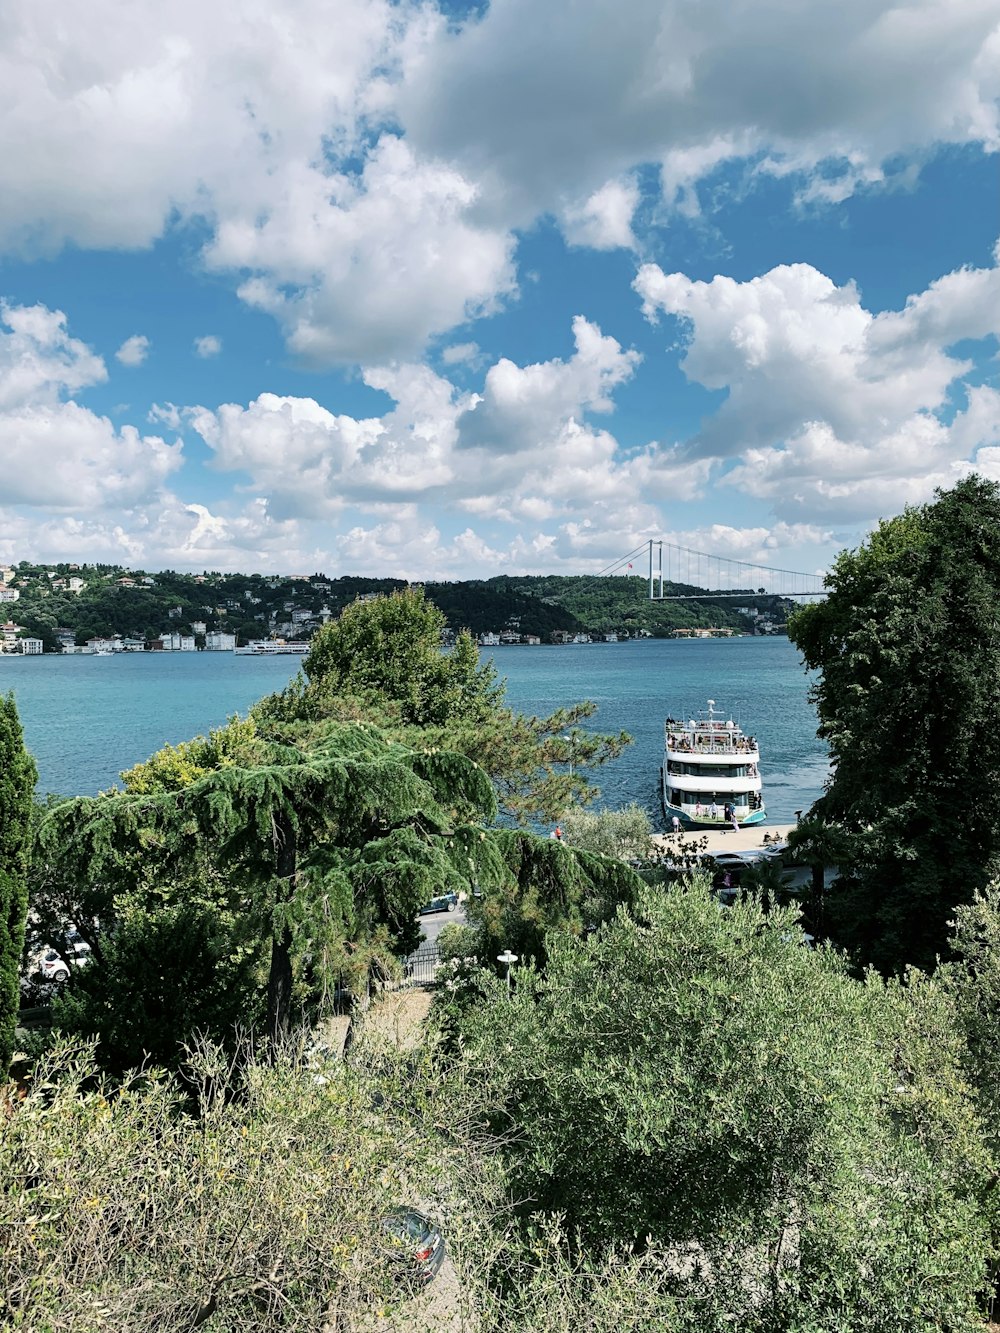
x,y
418,1242
444,902
53,967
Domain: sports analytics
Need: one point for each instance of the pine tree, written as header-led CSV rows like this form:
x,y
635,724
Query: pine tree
x,y
382,661
332,833
17,780
332,837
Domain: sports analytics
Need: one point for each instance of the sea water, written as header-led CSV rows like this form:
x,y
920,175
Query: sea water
x,y
87,718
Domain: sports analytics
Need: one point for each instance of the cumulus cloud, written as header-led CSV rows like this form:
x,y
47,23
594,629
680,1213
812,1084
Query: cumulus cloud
x,y
522,404
207,346
600,89
363,180
604,221
134,350
832,409
53,452
522,453
39,361
112,120
368,267
164,532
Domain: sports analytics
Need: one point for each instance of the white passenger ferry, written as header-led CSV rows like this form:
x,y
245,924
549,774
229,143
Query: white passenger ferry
x,y
709,765
272,647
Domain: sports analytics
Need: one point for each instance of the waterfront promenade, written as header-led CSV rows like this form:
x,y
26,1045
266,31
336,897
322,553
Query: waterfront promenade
x,y
727,839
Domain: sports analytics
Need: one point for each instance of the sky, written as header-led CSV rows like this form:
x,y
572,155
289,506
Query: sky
x,y
443,291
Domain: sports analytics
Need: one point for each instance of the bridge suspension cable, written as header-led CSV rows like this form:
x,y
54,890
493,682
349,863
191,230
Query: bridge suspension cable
x,y
691,575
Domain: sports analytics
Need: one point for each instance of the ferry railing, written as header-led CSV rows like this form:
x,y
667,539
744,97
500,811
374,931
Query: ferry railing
x,y
711,745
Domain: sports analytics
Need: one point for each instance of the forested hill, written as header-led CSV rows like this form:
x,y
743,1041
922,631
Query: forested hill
x,y
104,599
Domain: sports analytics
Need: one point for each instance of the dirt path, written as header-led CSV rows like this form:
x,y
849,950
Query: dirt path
x,y
399,1016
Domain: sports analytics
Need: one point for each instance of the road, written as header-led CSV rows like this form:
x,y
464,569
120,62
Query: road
x,y
434,922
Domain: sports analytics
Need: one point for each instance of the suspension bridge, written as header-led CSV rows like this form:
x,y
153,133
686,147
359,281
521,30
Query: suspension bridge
x,y
679,574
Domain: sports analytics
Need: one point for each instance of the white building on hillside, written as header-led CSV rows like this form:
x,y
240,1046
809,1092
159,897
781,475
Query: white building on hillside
x,y
218,641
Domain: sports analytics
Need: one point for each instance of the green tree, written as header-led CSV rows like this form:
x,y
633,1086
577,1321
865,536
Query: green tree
x,y
821,846
625,834
699,1084
382,661
908,699
17,781
164,974
332,837
543,888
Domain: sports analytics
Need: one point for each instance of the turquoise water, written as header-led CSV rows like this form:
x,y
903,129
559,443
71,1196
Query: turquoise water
x,y
87,718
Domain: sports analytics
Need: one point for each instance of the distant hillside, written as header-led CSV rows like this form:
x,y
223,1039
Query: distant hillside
x,y
136,604
621,603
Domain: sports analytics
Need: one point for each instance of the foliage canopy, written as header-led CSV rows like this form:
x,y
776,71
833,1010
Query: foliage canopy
x,y
382,661
909,702
17,781
701,1085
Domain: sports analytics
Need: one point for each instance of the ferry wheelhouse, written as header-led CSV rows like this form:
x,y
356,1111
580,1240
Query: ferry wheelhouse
x,y
710,764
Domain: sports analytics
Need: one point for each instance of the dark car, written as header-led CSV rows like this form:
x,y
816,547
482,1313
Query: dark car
x,y
418,1242
444,902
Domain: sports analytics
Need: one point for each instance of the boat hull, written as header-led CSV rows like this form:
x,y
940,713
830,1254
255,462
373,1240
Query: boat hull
x,y
692,821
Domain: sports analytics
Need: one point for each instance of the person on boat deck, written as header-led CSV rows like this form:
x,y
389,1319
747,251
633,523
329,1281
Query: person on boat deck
x,y
713,811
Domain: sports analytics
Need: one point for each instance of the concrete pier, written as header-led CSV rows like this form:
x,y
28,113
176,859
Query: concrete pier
x,y
725,840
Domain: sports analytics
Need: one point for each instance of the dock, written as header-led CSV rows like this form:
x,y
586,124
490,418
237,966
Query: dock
x,y
725,839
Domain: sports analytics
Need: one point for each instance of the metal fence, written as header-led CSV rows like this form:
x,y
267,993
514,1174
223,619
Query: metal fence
x,y
418,970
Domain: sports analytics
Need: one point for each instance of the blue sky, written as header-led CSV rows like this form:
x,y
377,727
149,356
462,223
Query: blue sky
x,y
454,291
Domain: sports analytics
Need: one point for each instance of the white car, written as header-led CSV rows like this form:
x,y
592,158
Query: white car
x,y
52,965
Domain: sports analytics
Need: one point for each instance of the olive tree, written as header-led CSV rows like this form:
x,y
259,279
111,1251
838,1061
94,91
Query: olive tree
x,y
799,1144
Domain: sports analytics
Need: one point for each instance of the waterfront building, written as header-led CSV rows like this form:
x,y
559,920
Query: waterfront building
x,y
218,641
9,632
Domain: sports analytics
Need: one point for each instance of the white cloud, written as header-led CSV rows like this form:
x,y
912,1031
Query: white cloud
x,y
207,346
521,453
163,532
460,354
831,409
167,413
368,174
600,89
521,405
39,361
604,221
111,121
368,268
55,453
134,350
